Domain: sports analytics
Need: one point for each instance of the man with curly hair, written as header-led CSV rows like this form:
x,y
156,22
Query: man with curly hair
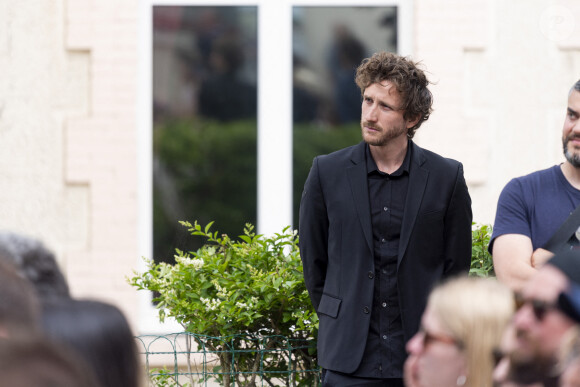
x,y
380,223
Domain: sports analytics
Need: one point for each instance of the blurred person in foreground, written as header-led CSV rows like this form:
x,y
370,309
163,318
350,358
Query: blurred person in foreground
x,y
380,223
36,362
504,373
531,208
34,262
97,332
19,306
462,324
570,360
569,303
539,325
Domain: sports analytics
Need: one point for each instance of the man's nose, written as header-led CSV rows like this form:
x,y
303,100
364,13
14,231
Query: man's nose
x,y
370,113
523,317
576,127
414,345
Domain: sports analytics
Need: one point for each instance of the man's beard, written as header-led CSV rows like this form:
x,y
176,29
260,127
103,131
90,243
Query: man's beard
x,y
572,158
385,135
531,370
533,366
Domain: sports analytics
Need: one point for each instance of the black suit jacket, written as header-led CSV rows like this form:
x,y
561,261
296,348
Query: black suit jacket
x,y
337,249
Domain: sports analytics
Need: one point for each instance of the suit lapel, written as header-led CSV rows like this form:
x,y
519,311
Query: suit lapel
x,y
357,177
417,182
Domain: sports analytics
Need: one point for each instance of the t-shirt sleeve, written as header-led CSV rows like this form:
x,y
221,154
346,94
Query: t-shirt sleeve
x,y
512,213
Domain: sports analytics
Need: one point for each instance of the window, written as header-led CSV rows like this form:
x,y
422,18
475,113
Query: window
x,y
204,122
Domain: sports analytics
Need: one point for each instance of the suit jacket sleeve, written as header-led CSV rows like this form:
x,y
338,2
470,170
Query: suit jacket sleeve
x,y
313,235
458,221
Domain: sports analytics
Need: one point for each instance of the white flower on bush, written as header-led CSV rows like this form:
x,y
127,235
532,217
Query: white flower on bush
x,y
212,304
248,306
221,291
196,263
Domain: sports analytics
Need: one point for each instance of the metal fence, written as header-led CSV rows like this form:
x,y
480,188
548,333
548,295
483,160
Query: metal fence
x,y
188,359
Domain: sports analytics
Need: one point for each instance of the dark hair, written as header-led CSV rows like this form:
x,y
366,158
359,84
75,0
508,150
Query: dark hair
x,y
410,81
19,307
576,86
100,334
34,262
36,362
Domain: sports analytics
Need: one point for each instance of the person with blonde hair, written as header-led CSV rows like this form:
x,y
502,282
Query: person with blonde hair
x,y
461,326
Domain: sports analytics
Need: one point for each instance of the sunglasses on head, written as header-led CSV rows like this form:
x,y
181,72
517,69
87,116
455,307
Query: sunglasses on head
x,y
539,307
428,338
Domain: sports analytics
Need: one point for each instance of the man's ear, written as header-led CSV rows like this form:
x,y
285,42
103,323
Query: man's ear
x,y
413,121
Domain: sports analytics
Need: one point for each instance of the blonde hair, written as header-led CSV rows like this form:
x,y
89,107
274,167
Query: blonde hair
x,y
476,312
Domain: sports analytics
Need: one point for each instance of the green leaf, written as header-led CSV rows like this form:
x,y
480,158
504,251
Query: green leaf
x,y
206,230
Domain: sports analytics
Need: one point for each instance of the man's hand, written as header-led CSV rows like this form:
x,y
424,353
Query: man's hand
x,y
541,256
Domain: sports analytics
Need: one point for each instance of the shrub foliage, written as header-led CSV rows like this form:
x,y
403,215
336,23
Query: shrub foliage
x,y
481,260
248,288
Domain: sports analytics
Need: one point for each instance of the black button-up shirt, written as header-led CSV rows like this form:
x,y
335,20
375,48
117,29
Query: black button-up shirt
x,y
384,353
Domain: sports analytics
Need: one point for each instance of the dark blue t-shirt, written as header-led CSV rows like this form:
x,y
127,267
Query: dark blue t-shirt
x,y
535,205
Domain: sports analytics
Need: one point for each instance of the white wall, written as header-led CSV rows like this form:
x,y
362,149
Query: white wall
x,y
68,161
502,71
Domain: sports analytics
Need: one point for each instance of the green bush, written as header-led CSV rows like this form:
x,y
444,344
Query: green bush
x,y
240,290
481,260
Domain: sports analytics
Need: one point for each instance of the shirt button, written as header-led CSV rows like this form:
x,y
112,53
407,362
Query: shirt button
x,y
385,208
384,304
366,310
371,275
383,240
384,337
384,271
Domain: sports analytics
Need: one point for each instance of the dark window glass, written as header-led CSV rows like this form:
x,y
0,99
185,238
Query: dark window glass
x,y
328,45
204,114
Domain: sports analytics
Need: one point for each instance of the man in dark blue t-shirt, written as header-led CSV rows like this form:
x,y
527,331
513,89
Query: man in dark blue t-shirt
x,y
531,208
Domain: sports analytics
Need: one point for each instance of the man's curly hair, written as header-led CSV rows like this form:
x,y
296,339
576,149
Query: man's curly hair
x,y
410,81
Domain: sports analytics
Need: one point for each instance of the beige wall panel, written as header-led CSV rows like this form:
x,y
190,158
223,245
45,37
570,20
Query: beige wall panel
x,y
68,137
502,72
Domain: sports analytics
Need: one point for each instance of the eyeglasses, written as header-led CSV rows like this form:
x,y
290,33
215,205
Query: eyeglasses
x,y
539,307
428,338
